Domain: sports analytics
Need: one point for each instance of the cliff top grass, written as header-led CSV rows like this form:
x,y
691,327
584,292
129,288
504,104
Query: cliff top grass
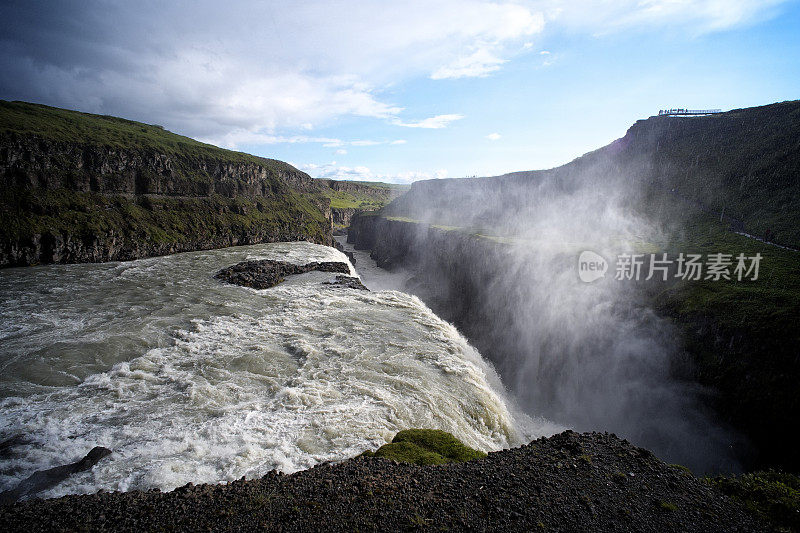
x,y
154,219
769,303
426,447
375,184
372,195
63,125
356,200
771,495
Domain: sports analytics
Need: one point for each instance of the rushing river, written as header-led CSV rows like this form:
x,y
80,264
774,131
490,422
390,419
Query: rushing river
x,y
188,379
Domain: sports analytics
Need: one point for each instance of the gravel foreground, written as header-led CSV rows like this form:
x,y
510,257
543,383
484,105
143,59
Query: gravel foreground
x,y
568,482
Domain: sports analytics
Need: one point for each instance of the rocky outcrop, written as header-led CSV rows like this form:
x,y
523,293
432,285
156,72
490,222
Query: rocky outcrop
x,y
266,273
45,479
347,282
385,194
35,162
113,245
416,245
350,255
340,217
567,482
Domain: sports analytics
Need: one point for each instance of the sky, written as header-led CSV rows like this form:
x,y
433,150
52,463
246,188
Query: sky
x,y
401,91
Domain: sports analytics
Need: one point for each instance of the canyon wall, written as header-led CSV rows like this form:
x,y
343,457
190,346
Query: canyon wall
x,y
86,188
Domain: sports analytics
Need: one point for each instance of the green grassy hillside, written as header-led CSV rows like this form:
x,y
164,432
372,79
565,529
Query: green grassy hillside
x,y
363,195
64,125
741,337
81,187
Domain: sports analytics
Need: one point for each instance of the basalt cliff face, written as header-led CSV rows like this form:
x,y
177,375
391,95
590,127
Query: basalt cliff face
x,y
29,161
341,216
85,188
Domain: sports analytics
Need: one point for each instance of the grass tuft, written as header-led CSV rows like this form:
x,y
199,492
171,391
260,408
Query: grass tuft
x,y
427,447
771,495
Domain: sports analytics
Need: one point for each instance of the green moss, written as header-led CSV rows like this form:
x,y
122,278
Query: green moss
x,y
667,506
773,496
427,447
350,200
366,196
158,220
682,468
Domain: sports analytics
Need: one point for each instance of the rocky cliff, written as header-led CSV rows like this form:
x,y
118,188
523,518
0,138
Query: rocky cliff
x,y
697,181
741,166
30,161
79,187
382,191
350,197
341,217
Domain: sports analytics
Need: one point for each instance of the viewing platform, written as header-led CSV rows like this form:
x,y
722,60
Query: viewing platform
x,y
688,112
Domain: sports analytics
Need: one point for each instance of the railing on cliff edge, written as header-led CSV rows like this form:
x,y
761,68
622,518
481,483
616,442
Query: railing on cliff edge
x,y
688,112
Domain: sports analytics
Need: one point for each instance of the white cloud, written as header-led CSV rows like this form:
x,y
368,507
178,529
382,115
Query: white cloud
x,y
341,151
365,143
435,123
242,137
239,72
694,16
493,136
478,65
362,173
485,54
547,58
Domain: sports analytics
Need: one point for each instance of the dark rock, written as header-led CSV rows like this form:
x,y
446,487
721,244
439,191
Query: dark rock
x,y
350,255
341,216
7,445
347,282
267,273
45,479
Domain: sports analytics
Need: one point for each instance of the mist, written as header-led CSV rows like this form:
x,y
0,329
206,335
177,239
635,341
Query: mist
x,y
589,356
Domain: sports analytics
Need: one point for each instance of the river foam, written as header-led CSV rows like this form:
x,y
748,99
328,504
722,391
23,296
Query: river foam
x,y
188,379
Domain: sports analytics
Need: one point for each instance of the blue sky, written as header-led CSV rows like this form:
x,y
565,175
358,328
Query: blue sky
x,y
379,91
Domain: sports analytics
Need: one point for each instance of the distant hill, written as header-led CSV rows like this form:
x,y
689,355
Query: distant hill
x,y
350,197
743,165
81,187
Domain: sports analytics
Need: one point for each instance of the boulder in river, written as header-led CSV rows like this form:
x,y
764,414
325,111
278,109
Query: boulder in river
x,y
45,479
266,273
347,282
